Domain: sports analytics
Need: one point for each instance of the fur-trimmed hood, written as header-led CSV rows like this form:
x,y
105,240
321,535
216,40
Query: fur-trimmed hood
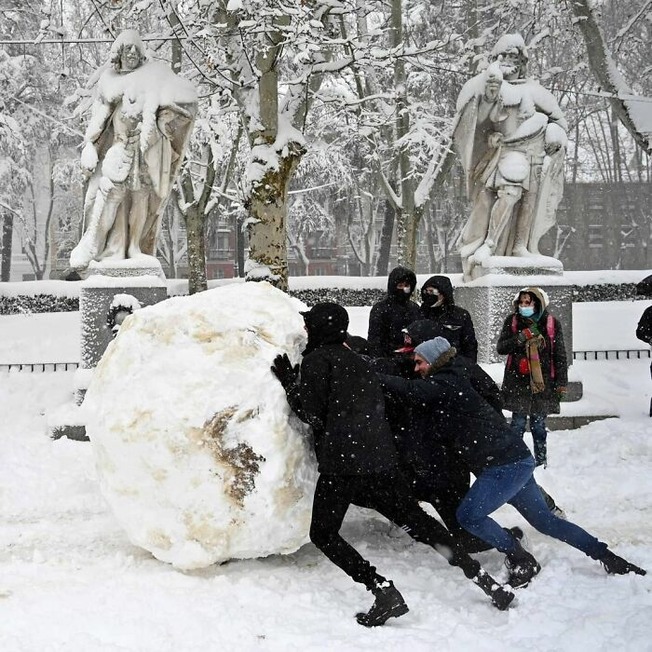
x,y
442,361
540,295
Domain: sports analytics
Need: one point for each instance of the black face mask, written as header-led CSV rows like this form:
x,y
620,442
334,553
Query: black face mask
x,y
429,300
401,295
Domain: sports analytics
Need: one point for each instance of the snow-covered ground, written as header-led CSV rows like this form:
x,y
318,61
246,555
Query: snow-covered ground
x,y
70,580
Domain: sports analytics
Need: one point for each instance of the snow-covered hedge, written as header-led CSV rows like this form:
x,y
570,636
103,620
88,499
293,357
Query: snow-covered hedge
x,y
63,296
37,303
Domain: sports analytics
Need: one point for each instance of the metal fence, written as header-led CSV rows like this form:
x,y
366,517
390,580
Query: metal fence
x,y
612,354
40,366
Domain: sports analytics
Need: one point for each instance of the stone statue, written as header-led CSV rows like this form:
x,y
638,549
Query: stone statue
x,y
139,127
511,136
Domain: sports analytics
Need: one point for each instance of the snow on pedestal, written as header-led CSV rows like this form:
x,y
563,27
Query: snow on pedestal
x,y
196,449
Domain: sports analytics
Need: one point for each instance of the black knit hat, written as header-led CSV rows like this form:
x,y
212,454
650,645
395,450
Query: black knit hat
x,y
326,323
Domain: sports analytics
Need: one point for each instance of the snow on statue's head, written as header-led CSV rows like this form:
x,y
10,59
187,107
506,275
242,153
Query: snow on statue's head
x,y
196,448
127,52
511,54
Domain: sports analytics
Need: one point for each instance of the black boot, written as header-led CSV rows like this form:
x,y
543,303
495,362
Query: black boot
x,y
552,505
501,597
389,604
540,453
515,531
615,565
522,567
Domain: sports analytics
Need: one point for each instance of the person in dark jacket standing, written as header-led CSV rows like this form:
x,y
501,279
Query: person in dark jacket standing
x,y
536,370
341,398
392,314
644,333
500,460
453,323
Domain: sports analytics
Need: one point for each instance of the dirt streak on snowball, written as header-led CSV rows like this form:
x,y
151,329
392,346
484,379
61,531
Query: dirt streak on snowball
x,y
196,449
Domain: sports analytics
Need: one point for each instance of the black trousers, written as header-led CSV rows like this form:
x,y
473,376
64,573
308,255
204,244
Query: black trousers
x,y
446,499
389,495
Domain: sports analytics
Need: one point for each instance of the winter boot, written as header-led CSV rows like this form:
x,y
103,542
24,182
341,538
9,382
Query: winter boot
x,y
501,597
615,565
389,604
540,453
552,505
522,567
515,531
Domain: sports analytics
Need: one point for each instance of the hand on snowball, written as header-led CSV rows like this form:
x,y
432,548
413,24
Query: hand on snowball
x,y
286,373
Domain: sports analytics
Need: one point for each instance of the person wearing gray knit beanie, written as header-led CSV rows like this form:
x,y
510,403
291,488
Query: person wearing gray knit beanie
x,y
431,350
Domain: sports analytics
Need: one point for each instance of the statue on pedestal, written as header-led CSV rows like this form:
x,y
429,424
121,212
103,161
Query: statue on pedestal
x,y
140,125
511,135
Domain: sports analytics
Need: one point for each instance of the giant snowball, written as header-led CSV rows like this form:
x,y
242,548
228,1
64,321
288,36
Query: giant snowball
x,y
196,449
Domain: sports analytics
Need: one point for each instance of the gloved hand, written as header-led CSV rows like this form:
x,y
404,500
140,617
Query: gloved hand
x,y
282,368
532,331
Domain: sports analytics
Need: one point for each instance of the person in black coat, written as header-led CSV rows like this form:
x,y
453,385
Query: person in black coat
x,y
453,323
536,370
434,475
341,398
644,333
391,315
498,457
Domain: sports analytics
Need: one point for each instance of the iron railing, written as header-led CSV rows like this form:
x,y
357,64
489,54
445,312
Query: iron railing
x,y
611,354
40,366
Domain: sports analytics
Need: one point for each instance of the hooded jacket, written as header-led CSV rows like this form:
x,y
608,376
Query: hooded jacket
x,y
452,322
341,398
554,364
451,421
392,314
425,329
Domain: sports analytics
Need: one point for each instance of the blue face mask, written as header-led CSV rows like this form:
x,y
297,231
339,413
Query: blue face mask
x,y
526,311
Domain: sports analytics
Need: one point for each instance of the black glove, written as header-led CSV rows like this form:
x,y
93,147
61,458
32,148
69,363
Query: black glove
x,y
282,368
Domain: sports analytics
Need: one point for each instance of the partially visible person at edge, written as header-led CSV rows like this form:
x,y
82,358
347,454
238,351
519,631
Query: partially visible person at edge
x,y
500,460
341,398
389,316
453,323
536,370
644,333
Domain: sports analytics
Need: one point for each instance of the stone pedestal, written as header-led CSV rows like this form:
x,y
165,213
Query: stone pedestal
x,y
97,292
517,266
136,280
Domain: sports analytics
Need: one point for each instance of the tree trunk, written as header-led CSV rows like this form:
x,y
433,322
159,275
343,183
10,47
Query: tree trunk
x,y
382,268
266,225
195,221
408,216
239,247
7,235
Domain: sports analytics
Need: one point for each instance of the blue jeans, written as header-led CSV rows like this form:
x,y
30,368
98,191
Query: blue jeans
x,y
513,483
538,430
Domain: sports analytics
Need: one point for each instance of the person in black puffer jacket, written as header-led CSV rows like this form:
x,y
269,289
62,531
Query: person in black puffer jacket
x,y
498,457
644,333
392,314
341,398
453,323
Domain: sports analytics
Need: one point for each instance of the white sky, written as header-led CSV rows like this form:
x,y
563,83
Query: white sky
x,y
71,580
